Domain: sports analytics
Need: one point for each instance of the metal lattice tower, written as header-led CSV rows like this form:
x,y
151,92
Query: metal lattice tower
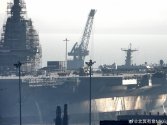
x,y
129,51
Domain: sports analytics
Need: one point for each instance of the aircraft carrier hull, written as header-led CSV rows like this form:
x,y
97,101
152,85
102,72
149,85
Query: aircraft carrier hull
x,y
39,102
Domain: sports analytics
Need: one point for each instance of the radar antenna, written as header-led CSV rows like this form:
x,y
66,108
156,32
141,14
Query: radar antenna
x,y
128,61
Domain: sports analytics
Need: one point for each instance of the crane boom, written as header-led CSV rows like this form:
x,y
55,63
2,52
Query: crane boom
x,y
80,51
86,35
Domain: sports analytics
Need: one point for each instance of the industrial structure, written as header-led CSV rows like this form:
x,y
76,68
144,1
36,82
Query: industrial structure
x,y
126,67
61,120
80,51
19,41
129,51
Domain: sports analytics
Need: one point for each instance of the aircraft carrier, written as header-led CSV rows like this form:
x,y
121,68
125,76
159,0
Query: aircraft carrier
x,y
115,89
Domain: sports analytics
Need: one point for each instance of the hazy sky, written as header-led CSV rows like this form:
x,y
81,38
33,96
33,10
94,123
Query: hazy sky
x,y
116,24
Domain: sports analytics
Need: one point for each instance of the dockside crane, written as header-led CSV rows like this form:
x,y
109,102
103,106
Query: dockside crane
x,y
80,51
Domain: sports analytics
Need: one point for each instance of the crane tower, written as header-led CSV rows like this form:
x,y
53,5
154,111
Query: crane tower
x,y
128,61
80,51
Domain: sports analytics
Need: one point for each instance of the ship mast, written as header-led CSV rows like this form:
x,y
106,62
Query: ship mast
x,y
16,2
129,51
16,10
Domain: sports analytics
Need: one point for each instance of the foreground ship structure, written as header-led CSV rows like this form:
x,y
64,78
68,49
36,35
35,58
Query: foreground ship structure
x,y
19,41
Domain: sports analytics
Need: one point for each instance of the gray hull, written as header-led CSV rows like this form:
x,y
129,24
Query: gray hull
x,y
39,102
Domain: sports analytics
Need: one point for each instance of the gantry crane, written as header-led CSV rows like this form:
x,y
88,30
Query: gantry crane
x,y
80,51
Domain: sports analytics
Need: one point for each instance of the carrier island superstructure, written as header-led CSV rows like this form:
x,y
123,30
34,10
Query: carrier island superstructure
x,y
19,41
42,93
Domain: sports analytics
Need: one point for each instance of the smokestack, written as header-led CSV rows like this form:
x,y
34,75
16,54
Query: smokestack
x,y
58,119
65,117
